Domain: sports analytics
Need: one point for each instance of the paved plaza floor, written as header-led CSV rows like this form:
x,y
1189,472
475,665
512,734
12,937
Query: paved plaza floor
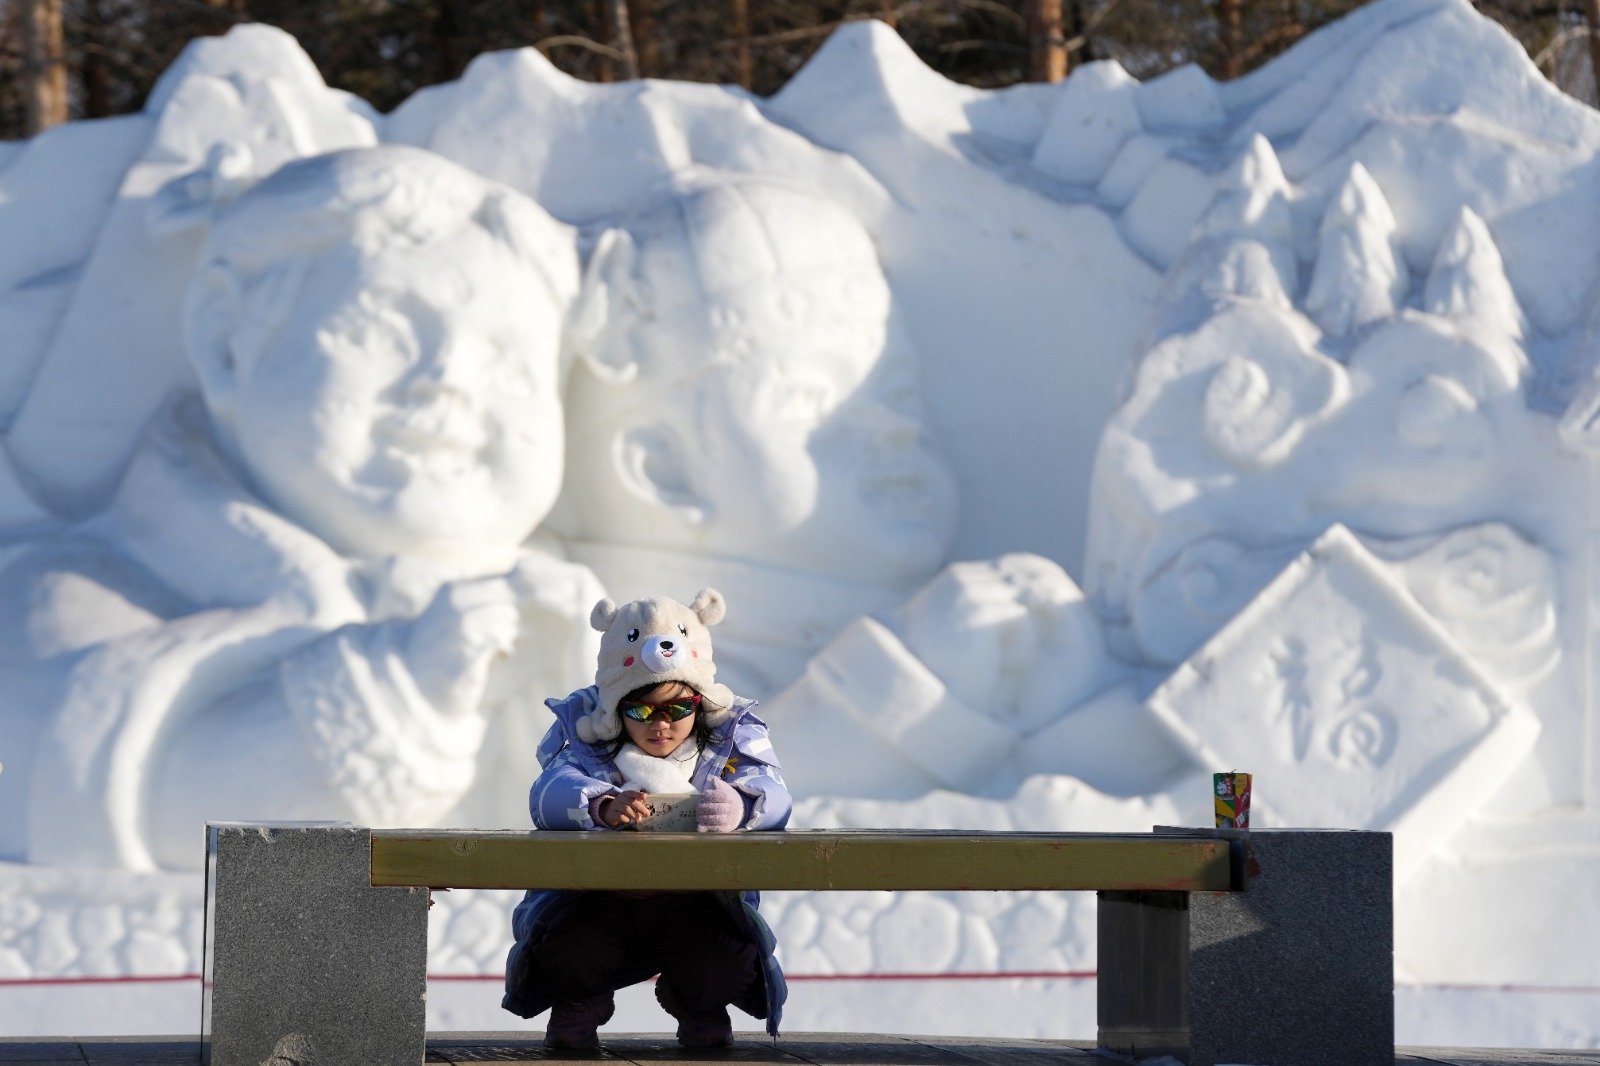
x,y
816,1049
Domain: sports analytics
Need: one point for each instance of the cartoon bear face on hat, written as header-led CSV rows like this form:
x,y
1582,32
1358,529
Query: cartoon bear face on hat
x,y
650,641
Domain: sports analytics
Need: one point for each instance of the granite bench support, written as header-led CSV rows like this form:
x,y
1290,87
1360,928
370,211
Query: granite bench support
x,y
305,962
1216,947
1298,967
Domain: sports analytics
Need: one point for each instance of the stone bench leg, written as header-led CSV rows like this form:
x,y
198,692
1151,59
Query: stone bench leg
x,y
305,961
1296,968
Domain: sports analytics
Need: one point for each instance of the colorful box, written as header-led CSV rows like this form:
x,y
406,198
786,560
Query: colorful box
x,y
1232,800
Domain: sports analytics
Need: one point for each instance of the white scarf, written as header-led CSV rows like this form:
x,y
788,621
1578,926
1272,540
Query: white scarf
x,y
661,774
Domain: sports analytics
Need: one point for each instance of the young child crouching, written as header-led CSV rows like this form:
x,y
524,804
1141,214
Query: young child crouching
x,y
655,721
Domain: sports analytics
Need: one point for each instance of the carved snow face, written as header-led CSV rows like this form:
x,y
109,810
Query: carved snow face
x,y
376,333
409,401
395,396
832,440
764,407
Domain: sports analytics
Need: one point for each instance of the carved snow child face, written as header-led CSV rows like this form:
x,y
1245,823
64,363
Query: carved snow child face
x,y
377,335
743,380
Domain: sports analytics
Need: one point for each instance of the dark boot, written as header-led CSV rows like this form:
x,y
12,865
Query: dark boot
x,y
696,1029
573,1022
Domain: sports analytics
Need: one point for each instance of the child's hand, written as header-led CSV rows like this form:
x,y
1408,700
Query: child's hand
x,y
721,808
625,808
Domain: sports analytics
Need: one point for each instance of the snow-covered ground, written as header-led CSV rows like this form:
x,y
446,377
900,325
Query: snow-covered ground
x,y
1053,446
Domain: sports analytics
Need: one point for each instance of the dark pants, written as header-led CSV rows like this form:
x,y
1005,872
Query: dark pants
x,y
604,941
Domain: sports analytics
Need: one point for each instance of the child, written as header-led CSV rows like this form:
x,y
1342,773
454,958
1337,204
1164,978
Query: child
x,y
654,721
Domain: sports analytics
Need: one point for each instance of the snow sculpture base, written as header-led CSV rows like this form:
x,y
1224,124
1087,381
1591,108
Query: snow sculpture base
x,y
64,924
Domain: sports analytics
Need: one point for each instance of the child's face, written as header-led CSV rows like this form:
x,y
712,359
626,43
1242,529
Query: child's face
x,y
660,736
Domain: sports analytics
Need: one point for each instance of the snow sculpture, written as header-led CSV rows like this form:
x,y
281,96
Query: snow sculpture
x,y
983,658
1242,248
1361,274
1448,401
1403,437
1468,281
1131,168
745,413
1418,439
1252,202
294,604
1096,113
1221,406
1432,441
253,95
641,135
865,93
1337,686
1183,99
1495,592
1168,205
424,428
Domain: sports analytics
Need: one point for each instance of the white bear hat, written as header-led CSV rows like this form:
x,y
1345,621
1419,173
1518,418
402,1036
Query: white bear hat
x,y
647,642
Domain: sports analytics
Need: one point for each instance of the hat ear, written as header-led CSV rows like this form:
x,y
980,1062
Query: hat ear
x,y
604,613
599,725
709,606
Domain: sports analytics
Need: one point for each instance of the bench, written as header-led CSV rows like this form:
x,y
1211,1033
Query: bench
x,y
1215,946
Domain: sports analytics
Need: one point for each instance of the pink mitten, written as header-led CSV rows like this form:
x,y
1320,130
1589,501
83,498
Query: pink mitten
x,y
721,808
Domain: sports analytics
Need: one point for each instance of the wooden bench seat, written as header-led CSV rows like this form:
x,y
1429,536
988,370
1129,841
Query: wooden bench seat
x,y
802,860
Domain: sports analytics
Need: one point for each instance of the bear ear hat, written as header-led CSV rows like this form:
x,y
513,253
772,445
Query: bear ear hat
x,y
708,606
604,613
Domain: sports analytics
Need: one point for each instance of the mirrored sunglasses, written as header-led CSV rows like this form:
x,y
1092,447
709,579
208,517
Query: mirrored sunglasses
x,y
675,710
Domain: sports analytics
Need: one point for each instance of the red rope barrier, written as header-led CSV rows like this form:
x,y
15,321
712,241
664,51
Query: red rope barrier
x,y
1003,975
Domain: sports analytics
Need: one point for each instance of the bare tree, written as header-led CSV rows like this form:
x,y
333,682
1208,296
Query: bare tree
x,y
1591,13
45,64
94,70
605,68
739,10
447,39
622,38
646,36
1230,33
1047,45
